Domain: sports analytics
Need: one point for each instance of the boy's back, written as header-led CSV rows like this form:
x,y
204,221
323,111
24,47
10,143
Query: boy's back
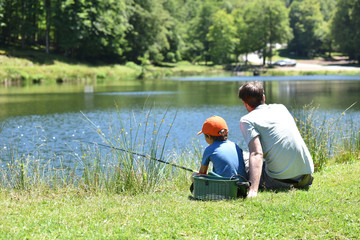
x,y
226,157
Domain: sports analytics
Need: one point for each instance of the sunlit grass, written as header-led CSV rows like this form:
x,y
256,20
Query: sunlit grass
x,y
328,210
27,67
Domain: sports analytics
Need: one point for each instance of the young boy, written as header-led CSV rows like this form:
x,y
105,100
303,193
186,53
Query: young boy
x,y
226,156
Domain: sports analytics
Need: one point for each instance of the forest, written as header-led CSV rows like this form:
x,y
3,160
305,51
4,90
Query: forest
x,y
156,31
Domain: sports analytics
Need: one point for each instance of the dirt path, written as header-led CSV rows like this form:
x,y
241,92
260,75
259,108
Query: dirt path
x,y
335,64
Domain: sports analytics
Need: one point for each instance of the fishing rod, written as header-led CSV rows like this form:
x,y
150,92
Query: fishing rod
x,y
143,155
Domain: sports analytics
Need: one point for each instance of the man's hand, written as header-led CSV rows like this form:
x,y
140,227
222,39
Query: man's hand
x,y
252,193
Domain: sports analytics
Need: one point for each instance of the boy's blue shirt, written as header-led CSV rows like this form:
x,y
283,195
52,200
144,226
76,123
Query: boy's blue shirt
x,y
226,157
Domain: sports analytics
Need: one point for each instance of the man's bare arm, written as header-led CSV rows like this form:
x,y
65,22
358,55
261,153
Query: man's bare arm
x,y
255,162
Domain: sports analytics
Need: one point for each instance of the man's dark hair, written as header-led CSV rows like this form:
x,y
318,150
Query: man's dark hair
x,y
252,93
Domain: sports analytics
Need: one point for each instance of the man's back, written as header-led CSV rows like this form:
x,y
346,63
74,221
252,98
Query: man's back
x,y
283,147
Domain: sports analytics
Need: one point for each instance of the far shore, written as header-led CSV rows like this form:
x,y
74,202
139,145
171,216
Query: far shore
x,y
44,69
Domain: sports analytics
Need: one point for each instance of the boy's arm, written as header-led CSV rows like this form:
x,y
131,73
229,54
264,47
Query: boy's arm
x,y
256,162
203,170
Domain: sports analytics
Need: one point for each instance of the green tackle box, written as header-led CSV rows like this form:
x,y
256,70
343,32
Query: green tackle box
x,y
207,187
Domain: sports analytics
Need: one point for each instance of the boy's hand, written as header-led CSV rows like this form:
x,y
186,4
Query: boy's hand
x,y
192,176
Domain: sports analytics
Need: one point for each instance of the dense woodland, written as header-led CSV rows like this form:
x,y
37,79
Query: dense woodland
x,y
216,31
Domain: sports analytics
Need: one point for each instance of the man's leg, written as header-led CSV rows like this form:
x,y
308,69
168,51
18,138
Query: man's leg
x,y
267,182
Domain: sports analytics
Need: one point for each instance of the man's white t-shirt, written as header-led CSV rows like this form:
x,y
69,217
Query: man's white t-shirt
x,y
284,150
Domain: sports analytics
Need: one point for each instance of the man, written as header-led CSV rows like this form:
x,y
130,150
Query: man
x,y
271,134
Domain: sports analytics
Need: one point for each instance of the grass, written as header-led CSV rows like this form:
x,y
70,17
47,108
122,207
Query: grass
x,y
25,70
328,210
31,66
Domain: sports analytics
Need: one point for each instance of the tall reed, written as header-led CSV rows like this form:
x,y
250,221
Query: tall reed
x,y
121,170
323,135
348,148
33,170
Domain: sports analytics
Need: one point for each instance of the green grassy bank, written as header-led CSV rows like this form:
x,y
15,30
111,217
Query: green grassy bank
x,y
35,67
30,66
329,210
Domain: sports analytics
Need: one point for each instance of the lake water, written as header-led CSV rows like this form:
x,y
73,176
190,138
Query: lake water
x,y
57,118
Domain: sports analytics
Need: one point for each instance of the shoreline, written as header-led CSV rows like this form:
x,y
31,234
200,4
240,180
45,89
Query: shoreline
x,y
17,71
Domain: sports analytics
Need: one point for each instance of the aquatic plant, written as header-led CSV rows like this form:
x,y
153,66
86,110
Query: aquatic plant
x,y
33,170
348,148
121,170
324,136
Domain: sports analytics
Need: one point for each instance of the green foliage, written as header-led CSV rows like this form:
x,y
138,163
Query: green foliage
x,y
93,29
158,31
221,37
345,27
268,24
306,21
198,50
243,43
150,33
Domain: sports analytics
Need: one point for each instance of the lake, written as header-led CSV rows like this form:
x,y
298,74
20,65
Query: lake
x,y
57,118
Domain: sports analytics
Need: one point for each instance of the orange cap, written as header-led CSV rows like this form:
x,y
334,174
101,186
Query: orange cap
x,y
213,126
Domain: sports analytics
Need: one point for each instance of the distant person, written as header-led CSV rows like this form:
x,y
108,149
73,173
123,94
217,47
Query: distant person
x,y
278,156
225,155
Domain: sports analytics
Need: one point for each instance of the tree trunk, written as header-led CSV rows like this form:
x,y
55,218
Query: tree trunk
x,y
47,19
22,28
264,56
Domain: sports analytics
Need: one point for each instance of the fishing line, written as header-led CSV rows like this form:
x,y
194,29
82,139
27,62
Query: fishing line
x,y
143,155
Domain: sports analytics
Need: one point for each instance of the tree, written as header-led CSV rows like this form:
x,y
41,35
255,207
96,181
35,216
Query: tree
x,y
267,24
327,8
93,29
306,21
221,37
150,29
9,22
19,21
198,43
244,43
346,27
47,6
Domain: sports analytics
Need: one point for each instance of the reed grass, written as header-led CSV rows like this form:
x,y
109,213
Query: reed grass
x,y
122,170
97,168
327,137
349,148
